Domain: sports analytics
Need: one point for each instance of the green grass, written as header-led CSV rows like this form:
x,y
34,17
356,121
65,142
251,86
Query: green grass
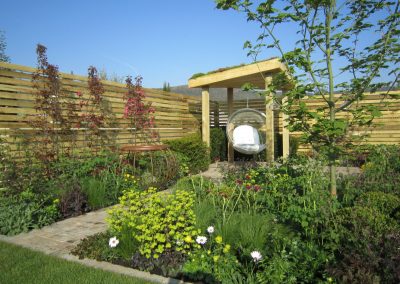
x,y
19,265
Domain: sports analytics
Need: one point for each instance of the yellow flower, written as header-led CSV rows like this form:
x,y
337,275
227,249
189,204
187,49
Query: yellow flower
x,y
218,239
226,248
215,258
188,239
209,252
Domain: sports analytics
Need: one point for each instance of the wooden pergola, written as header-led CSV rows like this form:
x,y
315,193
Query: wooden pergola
x,y
259,74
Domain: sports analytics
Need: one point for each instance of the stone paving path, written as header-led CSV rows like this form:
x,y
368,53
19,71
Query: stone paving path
x,y
59,238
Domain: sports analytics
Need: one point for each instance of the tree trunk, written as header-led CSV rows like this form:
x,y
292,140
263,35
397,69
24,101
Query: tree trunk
x,y
332,170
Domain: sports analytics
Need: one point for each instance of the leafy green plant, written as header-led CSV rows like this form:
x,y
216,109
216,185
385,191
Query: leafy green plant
x,y
385,203
368,243
194,149
381,172
156,168
289,259
218,144
206,212
95,191
247,231
96,247
25,212
213,262
158,222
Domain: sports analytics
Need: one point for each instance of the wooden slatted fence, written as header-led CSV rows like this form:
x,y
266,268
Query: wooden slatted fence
x,y
176,115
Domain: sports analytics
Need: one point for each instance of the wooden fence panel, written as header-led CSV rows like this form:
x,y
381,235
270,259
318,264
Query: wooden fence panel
x,y
176,115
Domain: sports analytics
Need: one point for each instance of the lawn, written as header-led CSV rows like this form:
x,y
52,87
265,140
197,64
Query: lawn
x,y
20,265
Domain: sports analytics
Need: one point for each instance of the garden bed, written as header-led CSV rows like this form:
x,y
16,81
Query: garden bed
x,y
262,225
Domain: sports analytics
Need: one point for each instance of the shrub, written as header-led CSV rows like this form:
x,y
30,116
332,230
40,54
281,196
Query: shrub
x,y
73,201
194,149
25,212
386,203
218,144
289,259
368,250
155,168
158,222
381,172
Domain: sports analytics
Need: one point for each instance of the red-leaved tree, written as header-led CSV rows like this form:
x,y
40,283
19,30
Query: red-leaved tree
x,y
139,113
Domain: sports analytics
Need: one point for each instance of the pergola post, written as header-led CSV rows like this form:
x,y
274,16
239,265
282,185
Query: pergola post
x,y
205,115
269,129
231,157
285,131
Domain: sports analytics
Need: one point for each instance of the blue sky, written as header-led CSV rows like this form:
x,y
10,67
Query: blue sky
x,y
160,40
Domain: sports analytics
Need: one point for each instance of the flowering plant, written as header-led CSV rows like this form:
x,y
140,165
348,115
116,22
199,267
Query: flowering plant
x,y
212,257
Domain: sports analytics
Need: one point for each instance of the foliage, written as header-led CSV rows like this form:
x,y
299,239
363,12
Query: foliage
x,y
166,87
25,212
218,144
155,168
157,222
291,260
93,114
214,262
3,45
284,212
197,75
95,247
385,203
381,172
169,263
326,31
183,162
369,247
73,201
248,231
294,146
96,192
194,149
51,122
139,113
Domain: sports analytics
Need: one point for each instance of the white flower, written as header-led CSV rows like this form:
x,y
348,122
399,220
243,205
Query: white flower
x,y
210,229
201,240
113,242
179,242
256,255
